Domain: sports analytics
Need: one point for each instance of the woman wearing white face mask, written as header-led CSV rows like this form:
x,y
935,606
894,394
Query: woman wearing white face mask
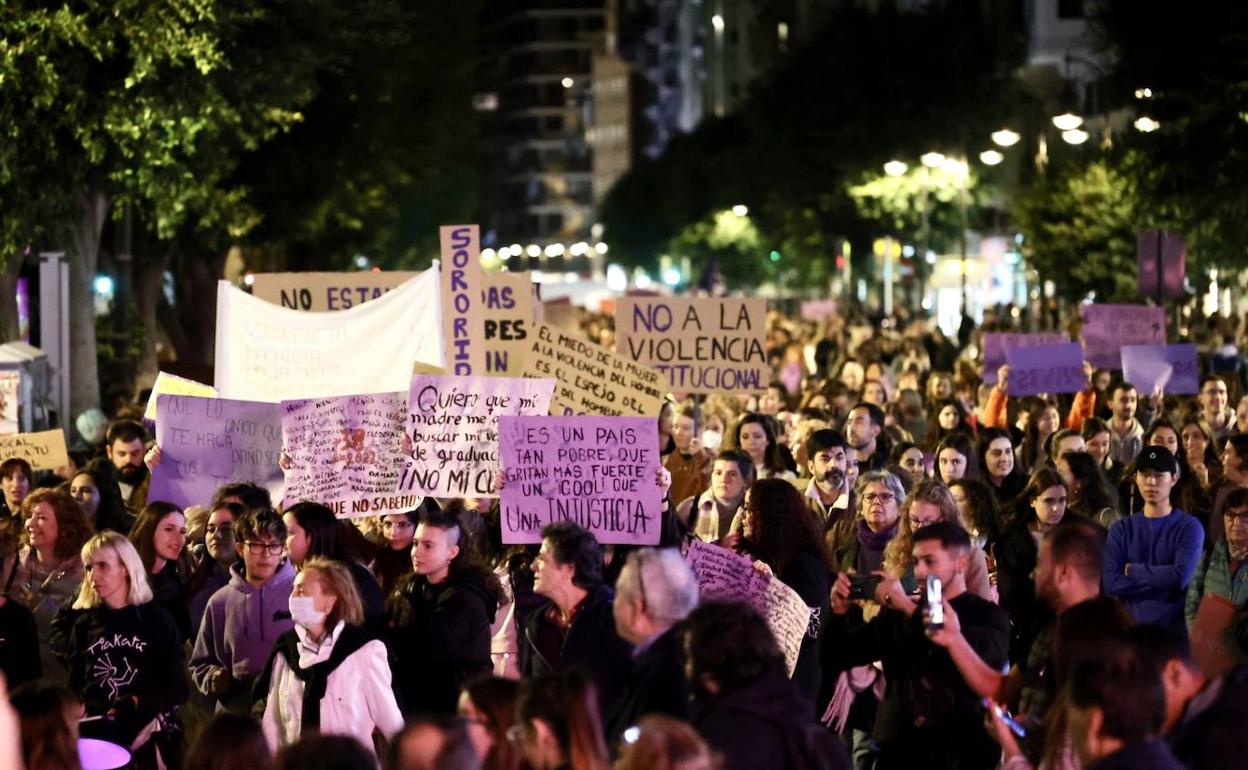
x,y
328,675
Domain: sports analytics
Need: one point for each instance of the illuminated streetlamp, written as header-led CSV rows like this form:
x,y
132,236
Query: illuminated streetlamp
x,y
932,159
895,168
1067,121
1146,124
741,209
1075,136
1005,137
991,157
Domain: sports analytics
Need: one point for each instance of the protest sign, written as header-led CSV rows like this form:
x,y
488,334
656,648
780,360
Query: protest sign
x,y
996,345
10,402
347,453
508,319
207,442
452,425
461,281
1106,328
44,450
599,472
270,353
702,345
818,309
321,292
562,315
1046,369
728,576
592,379
1172,368
173,385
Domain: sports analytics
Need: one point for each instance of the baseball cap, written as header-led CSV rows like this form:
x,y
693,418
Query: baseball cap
x,y
1157,458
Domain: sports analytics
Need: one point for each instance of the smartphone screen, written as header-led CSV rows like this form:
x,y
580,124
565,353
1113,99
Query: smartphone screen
x,y
935,603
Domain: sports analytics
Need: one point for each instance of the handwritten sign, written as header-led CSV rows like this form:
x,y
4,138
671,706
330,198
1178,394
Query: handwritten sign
x,y
321,292
1106,328
346,452
725,575
10,402
596,471
1172,368
173,385
996,345
44,450
461,299
818,309
592,379
452,426
508,317
269,353
703,345
207,442
1046,369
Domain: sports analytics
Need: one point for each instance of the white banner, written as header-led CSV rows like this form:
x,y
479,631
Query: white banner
x,y
271,353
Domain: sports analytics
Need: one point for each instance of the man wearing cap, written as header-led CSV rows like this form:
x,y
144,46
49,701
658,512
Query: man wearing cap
x,y
1150,557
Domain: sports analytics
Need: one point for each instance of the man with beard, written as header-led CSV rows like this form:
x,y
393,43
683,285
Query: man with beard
x,y
828,493
864,430
125,444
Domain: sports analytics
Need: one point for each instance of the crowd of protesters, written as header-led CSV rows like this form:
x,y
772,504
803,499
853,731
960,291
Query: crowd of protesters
x,y
1048,581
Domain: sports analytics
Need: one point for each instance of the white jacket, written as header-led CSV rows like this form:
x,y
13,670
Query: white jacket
x,y
357,695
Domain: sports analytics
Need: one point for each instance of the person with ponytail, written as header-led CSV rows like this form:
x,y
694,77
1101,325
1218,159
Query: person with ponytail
x,y
558,725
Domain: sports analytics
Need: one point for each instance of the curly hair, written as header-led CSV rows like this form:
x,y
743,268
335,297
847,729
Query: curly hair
x,y
898,555
782,525
982,513
72,528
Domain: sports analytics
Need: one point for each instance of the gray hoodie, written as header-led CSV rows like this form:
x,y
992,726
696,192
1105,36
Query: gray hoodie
x,y
241,625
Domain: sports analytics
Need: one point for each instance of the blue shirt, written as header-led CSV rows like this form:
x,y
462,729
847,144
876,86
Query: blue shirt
x,y
1163,554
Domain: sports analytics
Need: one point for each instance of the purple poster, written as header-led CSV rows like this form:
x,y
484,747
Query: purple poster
x,y
599,472
997,344
1046,369
1172,368
1106,328
207,442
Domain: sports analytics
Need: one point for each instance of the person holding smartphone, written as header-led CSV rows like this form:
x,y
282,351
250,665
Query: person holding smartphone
x,y
928,716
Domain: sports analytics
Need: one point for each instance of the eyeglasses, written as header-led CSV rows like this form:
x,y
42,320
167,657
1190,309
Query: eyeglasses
x,y
883,497
273,549
1234,516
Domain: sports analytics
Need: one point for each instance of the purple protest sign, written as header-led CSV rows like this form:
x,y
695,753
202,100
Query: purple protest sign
x,y
207,442
599,472
1046,369
1106,328
1172,368
997,344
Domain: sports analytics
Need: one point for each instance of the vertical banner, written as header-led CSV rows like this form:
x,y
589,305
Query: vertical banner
x,y
346,452
452,427
10,401
599,472
1106,328
207,442
461,299
1162,257
703,345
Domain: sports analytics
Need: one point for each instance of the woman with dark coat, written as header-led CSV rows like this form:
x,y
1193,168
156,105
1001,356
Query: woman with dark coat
x,y
439,618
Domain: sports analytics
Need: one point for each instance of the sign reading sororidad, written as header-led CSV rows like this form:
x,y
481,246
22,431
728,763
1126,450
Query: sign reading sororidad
x,y
599,472
592,379
452,426
347,453
461,299
702,345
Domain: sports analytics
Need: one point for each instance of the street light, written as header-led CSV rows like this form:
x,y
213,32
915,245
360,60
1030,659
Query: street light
x,y
1143,93
1146,124
741,209
1005,137
895,168
1067,121
1075,136
567,82
991,157
932,159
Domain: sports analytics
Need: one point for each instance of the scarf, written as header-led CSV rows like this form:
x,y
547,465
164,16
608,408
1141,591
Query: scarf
x,y
875,541
315,678
1238,552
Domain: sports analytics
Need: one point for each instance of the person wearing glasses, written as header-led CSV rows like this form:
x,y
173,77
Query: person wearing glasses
x,y
1221,579
243,620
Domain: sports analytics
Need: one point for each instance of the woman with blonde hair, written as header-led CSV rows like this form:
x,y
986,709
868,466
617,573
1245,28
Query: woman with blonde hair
x,y
125,655
931,501
328,675
660,742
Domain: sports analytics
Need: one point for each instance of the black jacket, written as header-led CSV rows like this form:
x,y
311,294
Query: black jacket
x,y
1148,755
591,643
655,685
19,645
440,638
928,717
810,578
1212,731
765,725
370,593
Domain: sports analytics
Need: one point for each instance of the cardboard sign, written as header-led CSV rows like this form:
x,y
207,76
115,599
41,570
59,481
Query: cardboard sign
x,y
274,354
702,345
818,309
726,575
10,401
599,472
1046,369
346,452
592,379
462,282
207,442
44,450
173,385
1172,368
452,426
996,345
1106,328
321,292
508,318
